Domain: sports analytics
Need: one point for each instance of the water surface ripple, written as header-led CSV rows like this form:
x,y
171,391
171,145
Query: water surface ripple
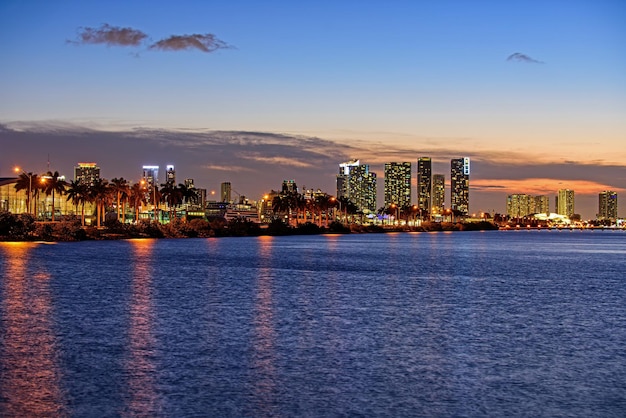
x,y
516,323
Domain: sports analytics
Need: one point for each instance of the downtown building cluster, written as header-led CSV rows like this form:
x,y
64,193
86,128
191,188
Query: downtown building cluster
x,y
524,205
410,189
357,183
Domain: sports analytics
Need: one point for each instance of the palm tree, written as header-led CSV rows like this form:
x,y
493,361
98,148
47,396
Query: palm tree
x,y
349,208
173,196
300,204
30,182
137,198
189,194
121,190
155,197
99,192
280,204
54,184
322,203
78,193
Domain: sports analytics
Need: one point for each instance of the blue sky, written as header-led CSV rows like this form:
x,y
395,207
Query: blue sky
x,y
390,81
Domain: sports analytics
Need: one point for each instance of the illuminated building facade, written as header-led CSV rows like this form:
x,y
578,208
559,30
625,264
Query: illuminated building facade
x,y
357,183
170,174
398,184
459,184
520,205
424,184
151,175
607,209
225,191
565,202
289,186
86,173
438,193
151,179
540,204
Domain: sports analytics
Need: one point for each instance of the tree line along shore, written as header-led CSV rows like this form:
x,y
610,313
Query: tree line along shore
x,y
24,227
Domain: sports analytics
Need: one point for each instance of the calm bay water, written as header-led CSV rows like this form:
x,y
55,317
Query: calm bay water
x,y
516,323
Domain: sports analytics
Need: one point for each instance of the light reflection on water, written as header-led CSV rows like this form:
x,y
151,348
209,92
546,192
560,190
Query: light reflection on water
x,y
263,372
140,366
441,324
30,376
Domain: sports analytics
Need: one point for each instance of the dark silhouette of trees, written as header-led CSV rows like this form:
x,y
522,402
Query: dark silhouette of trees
x,y
78,193
54,185
121,189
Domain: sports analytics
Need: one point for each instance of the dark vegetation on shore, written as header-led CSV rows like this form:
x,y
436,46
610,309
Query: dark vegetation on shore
x,y
24,228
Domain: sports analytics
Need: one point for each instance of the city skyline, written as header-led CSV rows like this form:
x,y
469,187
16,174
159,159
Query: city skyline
x,y
533,93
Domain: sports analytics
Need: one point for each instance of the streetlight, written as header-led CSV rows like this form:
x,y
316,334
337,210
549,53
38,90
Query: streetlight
x,y
334,199
397,211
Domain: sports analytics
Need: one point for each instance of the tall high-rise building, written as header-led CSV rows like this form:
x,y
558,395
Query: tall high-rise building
x,y
86,173
519,205
170,174
357,183
289,186
459,184
424,184
438,193
151,174
540,204
397,184
565,202
607,205
225,191
151,180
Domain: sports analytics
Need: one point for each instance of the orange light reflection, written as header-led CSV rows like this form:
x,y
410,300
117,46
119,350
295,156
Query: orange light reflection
x,y
140,366
30,372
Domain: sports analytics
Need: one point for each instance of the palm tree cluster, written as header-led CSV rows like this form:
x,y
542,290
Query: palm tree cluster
x,y
317,208
105,196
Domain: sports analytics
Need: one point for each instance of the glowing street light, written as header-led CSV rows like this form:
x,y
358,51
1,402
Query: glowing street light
x,y
397,210
334,199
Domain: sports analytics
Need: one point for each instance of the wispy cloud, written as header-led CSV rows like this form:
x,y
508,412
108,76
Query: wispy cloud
x,y
205,43
540,186
218,167
519,57
128,37
284,161
109,35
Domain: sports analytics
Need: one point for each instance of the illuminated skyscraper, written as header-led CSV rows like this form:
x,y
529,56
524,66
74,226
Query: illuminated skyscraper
x,y
357,183
459,184
565,202
170,174
398,184
607,205
438,193
225,191
151,174
540,204
289,186
518,205
86,173
424,184
151,180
